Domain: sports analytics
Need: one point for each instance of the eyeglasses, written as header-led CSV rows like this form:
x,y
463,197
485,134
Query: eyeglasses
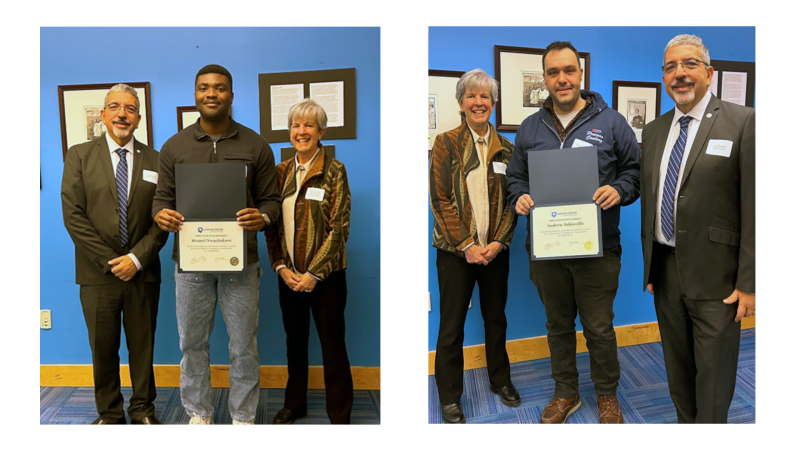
x,y
688,64
114,107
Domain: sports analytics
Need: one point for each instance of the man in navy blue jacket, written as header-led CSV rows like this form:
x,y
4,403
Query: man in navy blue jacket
x,y
570,118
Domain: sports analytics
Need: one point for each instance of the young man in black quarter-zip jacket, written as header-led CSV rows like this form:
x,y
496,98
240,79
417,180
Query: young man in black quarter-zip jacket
x,y
216,138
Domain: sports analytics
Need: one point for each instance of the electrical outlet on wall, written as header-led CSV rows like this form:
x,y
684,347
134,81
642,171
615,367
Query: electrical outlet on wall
x,y
46,321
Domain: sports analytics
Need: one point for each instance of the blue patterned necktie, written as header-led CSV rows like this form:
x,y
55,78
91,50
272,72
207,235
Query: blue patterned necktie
x,y
122,193
671,180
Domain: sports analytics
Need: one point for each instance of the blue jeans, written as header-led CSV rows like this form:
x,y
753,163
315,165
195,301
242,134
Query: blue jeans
x,y
196,303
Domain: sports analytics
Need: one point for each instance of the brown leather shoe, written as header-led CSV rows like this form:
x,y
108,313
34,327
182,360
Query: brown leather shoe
x,y
559,409
149,420
104,421
609,409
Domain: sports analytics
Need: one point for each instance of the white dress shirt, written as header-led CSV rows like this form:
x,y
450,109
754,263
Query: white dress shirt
x,y
112,147
674,132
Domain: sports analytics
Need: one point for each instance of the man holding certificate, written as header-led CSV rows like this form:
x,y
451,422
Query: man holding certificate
x,y
569,282
217,139
698,232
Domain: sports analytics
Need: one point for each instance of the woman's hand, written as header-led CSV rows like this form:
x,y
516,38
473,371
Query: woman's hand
x,y
289,277
306,283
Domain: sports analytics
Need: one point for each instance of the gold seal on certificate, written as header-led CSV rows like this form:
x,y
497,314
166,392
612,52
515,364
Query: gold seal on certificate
x,y
211,246
565,231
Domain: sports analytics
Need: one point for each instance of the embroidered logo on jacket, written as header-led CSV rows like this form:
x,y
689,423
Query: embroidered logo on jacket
x,y
594,134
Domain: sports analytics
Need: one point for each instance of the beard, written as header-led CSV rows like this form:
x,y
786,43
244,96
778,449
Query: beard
x,y
683,98
122,134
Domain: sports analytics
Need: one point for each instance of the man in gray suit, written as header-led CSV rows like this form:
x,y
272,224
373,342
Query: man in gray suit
x,y
106,194
698,232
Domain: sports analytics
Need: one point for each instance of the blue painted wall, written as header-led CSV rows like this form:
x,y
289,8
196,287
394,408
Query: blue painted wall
x,y
616,53
169,58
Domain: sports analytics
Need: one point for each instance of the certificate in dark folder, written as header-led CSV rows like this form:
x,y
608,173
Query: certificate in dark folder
x,y
209,196
564,221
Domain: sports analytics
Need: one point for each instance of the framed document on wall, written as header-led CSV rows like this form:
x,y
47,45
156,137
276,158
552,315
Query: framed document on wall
x,y
734,81
334,90
443,110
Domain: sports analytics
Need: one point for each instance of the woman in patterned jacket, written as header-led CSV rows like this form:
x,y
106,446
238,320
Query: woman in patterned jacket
x,y
472,229
307,250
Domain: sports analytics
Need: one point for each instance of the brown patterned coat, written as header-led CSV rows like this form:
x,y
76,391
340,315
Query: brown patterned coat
x,y
452,158
321,227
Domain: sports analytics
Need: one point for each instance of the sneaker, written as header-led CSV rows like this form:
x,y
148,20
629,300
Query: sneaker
x,y
238,422
197,420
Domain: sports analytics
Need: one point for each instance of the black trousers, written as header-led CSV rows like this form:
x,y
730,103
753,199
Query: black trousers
x,y
457,279
584,287
701,345
107,308
326,303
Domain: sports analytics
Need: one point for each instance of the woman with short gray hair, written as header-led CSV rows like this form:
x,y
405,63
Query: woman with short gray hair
x,y
472,230
307,250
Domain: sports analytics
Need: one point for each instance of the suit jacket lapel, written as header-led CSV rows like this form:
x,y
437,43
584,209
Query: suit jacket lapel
x,y
136,174
661,142
702,135
104,156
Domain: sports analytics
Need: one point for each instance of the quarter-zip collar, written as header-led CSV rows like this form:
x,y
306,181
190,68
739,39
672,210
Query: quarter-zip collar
x,y
594,104
199,134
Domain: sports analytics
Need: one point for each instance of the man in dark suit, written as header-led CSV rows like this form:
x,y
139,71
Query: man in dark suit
x,y
698,232
106,194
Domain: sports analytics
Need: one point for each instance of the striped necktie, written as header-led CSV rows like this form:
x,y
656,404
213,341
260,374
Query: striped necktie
x,y
671,181
122,193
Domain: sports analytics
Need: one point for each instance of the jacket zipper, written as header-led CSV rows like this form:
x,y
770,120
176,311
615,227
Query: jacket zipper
x,y
569,132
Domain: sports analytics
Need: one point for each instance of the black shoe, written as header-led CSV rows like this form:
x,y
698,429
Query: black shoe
x,y
286,417
508,394
103,421
452,413
149,420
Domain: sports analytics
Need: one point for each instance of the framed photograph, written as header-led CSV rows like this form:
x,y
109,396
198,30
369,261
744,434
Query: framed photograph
x,y
734,81
80,106
334,90
444,113
522,88
187,115
639,102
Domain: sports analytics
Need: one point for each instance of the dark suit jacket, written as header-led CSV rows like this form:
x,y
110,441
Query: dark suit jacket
x,y
715,237
91,212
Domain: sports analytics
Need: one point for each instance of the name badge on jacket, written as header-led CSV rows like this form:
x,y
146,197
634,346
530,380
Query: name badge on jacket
x,y
315,194
149,175
719,147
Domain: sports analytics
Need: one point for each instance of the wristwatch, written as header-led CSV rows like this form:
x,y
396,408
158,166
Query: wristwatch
x,y
266,220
